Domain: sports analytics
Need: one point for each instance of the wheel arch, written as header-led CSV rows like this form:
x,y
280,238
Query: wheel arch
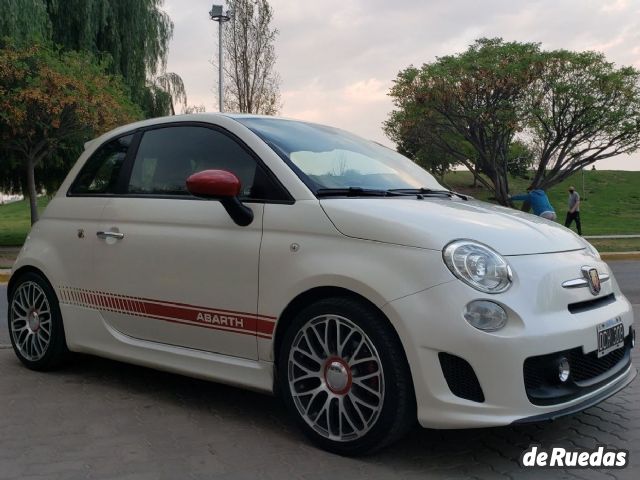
x,y
316,294
22,270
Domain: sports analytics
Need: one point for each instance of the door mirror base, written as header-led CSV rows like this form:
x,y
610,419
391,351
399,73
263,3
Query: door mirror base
x,y
239,212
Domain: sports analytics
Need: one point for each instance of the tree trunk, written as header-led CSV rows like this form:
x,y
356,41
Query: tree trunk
x,y
31,191
475,177
502,190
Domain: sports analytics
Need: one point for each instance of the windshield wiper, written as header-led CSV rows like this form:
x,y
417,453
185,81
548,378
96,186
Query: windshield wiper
x,y
356,192
392,192
428,192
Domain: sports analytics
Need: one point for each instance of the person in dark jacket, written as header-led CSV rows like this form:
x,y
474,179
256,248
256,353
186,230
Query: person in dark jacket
x,y
539,202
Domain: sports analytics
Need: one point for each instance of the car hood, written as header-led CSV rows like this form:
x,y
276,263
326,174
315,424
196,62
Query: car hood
x,y
434,222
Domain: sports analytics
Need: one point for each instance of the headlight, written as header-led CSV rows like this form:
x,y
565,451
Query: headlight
x,y
485,315
478,266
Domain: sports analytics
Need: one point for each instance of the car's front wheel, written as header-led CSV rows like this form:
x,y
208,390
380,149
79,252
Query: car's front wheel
x,y
344,376
35,323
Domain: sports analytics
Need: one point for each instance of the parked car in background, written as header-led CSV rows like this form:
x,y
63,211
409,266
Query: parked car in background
x,y
298,259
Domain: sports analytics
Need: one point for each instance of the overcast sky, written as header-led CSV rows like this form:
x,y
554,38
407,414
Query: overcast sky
x,y
337,58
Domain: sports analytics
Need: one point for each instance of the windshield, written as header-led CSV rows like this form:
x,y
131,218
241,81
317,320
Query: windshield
x,y
330,158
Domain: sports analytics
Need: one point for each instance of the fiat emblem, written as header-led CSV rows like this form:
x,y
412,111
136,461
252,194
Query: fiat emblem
x,y
593,279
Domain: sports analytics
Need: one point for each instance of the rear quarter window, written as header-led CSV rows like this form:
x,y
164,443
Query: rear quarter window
x,y
100,173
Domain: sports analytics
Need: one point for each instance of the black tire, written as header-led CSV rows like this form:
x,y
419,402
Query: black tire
x,y
56,351
397,413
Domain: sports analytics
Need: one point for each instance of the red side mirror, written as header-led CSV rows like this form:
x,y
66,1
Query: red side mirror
x,y
225,187
213,184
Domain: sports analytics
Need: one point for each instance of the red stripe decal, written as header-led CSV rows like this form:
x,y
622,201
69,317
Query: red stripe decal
x,y
265,327
231,321
195,307
206,317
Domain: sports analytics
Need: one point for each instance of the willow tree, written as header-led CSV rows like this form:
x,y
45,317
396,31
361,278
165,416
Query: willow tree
x,y
172,84
134,34
252,84
24,20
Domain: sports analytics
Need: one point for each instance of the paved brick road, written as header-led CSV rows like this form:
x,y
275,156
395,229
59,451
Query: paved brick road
x,y
102,419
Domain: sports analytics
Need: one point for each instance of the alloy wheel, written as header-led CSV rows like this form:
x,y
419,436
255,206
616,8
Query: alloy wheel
x,y
30,321
336,378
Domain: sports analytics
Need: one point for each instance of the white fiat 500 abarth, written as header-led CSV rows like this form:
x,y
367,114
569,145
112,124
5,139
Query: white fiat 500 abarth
x,y
298,259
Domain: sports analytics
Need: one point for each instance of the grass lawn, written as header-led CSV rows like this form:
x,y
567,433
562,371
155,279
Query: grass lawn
x,y
15,221
609,205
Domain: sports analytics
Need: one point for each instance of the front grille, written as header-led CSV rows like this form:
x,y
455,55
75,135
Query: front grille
x,y
460,377
588,372
587,305
589,366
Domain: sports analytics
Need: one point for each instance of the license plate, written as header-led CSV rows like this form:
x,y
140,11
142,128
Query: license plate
x,y
610,336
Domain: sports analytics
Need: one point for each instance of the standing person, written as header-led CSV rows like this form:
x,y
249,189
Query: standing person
x,y
574,210
539,202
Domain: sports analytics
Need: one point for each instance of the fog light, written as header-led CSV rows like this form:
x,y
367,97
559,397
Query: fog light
x,y
633,337
563,369
485,315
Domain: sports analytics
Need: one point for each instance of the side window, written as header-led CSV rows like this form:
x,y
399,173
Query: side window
x,y
100,174
167,156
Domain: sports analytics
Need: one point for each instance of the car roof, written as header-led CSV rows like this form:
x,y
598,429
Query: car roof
x,y
191,117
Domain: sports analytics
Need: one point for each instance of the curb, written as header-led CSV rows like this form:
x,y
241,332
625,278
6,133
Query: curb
x,y
620,255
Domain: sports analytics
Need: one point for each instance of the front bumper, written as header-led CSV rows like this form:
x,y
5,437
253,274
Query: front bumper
x,y
431,322
590,401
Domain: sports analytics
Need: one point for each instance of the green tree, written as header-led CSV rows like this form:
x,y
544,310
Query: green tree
x,y
473,99
581,109
52,100
420,144
520,159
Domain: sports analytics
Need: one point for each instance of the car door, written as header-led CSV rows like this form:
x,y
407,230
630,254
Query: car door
x,y
176,269
72,218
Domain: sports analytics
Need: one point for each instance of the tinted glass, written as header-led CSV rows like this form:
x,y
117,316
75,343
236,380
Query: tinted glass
x,y
167,156
100,174
326,157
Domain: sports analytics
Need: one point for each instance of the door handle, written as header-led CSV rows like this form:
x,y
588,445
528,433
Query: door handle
x,y
116,235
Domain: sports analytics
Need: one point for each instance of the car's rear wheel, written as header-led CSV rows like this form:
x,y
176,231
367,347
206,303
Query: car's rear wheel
x,y
345,378
35,323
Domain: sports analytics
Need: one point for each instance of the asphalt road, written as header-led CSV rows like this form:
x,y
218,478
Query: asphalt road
x,y
627,274
102,419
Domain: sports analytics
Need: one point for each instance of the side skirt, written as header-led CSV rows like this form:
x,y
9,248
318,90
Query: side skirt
x,y
87,332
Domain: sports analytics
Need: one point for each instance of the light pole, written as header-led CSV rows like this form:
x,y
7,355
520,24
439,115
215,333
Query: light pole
x,y
217,15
